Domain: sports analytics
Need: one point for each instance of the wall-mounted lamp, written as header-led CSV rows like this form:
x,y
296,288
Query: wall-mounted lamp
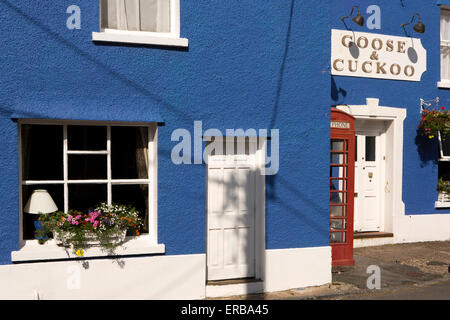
x,y
358,19
419,27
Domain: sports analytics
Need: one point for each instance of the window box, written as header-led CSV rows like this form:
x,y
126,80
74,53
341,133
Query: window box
x,y
63,240
443,189
32,251
444,197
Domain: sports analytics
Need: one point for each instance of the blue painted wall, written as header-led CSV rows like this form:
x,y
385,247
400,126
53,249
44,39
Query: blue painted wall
x,y
420,168
247,66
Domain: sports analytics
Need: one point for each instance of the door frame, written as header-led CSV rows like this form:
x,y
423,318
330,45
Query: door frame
x,y
394,205
260,201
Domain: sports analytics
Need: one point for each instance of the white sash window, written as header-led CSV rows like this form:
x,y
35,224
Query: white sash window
x,y
140,21
82,164
136,15
445,48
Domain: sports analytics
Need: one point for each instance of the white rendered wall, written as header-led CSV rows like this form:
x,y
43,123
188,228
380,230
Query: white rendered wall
x,y
284,269
424,227
158,277
297,268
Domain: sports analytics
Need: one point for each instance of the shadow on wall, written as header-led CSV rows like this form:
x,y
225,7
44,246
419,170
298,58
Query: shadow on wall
x,y
335,91
427,149
282,67
176,110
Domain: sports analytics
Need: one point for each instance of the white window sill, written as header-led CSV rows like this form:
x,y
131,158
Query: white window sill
x,y
440,204
137,37
33,251
444,84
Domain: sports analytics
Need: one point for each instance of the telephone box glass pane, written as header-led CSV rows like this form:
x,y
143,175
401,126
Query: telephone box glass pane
x,y
337,145
335,236
338,185
338,197
336,211
337,172
337,224
338,158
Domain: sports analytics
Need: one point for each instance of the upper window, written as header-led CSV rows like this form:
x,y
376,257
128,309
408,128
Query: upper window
x,y
140,21
445,48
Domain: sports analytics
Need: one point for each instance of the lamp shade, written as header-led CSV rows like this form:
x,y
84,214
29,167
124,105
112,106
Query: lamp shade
x,y
419,27
359,20
40,202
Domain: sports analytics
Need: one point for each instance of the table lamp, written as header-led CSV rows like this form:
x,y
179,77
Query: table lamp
x,y
40,202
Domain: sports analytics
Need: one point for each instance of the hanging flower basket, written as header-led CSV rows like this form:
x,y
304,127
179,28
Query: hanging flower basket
x,y
106,226
433,122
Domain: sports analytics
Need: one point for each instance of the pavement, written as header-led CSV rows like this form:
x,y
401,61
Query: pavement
x,y
407,271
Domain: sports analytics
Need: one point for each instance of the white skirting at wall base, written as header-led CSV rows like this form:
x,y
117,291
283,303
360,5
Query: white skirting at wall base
x,y
297,268
157,277
423,227
284,269
413,228
215,291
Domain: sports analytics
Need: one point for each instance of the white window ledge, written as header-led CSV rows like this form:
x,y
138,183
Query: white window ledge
x,y
140,37
33,251
440,204
444,84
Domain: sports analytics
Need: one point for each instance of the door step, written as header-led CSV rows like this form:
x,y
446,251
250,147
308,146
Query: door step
x,y
366,235
231,281
234,287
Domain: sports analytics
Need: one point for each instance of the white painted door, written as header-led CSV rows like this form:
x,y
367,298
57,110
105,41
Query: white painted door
x,y
368,179
231,211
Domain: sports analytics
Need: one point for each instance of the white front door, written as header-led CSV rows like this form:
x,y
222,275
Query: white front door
x,y
368,180
231,211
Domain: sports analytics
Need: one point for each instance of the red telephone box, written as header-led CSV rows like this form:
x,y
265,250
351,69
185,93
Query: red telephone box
x,y
342,180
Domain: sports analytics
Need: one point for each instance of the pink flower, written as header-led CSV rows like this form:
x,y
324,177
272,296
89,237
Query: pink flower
x,y
96,224
78,216
69,218
93,215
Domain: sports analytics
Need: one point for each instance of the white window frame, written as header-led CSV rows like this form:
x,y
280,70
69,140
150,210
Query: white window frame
x,y
438,203
443,83
143,244
441,151
171,38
